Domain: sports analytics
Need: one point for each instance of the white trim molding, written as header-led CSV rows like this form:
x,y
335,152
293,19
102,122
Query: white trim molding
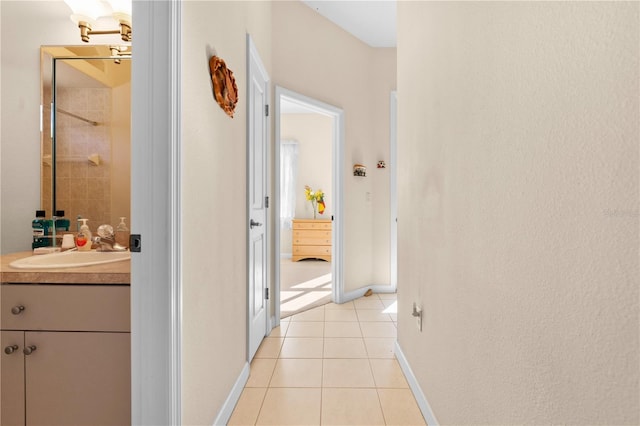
x,y
425,408
232,399
155,204
338,135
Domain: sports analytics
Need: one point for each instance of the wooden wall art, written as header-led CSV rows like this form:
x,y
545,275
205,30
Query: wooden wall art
x,y
224,85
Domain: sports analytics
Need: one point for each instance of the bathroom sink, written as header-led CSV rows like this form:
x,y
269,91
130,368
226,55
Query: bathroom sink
x,y
70,259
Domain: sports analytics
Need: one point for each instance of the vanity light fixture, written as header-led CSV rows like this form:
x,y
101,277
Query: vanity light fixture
x,y
86,13
118,52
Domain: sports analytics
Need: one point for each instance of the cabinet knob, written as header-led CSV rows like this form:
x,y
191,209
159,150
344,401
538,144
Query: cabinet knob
x,y
29,349
253,223
17,310
10,349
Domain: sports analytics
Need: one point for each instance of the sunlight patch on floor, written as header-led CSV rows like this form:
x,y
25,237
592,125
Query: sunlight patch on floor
x,y
391,309
315,282
300,302
286,295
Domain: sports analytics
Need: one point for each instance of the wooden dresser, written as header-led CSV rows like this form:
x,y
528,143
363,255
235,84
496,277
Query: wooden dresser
x,y
311,239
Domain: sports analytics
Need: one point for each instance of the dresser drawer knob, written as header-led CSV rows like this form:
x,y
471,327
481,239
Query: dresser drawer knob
x,y
10,349
29,349
17,310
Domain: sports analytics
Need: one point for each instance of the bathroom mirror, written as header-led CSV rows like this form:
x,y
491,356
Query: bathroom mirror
x,y
85,132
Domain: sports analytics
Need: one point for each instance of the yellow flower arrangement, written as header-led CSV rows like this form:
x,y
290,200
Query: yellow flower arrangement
x,y
316,198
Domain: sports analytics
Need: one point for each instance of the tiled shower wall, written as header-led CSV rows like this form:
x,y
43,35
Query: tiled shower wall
x,y
82,188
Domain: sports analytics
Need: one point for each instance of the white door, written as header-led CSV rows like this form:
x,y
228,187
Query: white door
x,y
257,147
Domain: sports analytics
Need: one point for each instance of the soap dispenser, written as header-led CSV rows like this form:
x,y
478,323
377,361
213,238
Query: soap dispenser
x,y
83,240
122,233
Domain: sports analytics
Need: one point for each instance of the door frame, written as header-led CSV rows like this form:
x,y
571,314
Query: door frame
x,y
253,55
156,304
393,189
337,155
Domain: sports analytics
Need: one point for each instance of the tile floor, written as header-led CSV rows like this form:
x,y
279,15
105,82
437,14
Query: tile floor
x,y
331,365
303,285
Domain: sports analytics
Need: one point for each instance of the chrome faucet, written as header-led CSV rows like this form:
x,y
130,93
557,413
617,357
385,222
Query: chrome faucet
x,y
106,239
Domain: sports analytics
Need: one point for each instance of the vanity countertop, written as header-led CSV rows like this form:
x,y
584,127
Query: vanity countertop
x,y
108,273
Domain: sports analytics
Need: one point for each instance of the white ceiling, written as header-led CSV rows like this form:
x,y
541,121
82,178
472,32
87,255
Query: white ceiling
x,y
372,21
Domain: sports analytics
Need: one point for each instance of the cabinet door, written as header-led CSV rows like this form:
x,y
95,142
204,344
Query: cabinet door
x,y
76,378
12,378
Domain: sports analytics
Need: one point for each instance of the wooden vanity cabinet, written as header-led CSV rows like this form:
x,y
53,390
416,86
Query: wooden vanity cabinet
x,y
76,367
311,239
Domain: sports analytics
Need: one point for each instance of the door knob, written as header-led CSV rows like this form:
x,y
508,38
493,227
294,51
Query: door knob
x,y
253,223
10,349
29,349
16,310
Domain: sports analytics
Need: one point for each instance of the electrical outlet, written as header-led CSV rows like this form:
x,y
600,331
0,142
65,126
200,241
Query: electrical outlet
x,y
417,313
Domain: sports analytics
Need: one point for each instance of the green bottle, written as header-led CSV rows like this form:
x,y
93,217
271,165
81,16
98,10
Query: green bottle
x,y
40,227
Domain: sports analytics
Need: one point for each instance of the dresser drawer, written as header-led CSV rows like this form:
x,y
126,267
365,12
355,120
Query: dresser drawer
x,y
310,251
312,241
312,224
65,307
312,238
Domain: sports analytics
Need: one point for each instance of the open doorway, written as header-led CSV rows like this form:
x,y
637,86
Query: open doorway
x,y
308,201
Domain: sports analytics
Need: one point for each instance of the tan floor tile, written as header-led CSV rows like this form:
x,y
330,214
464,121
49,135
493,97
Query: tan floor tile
x,y
285,406
248,407
372,315
315,314
351,407
380,347
342,329
306,329
344,347
347,305
388,296
388,374
390,305
281,330
260,372
270,347
346,373
400,407
378,329
297,373
368,303
331,315
302,347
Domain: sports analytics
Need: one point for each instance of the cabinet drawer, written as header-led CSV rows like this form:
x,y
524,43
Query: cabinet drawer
x,y
66,307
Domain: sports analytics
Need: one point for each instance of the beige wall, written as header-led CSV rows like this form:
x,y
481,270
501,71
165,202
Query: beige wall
x,y
518,209
340,70
20,110
214,277
313,132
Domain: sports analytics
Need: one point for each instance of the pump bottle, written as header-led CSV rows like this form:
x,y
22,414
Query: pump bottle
x,y
83,240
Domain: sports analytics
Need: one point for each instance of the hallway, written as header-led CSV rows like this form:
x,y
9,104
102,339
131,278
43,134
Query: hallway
x,y
331,365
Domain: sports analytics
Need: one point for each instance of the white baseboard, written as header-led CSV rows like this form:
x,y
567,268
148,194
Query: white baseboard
x,y
227,408
425,408
377,288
